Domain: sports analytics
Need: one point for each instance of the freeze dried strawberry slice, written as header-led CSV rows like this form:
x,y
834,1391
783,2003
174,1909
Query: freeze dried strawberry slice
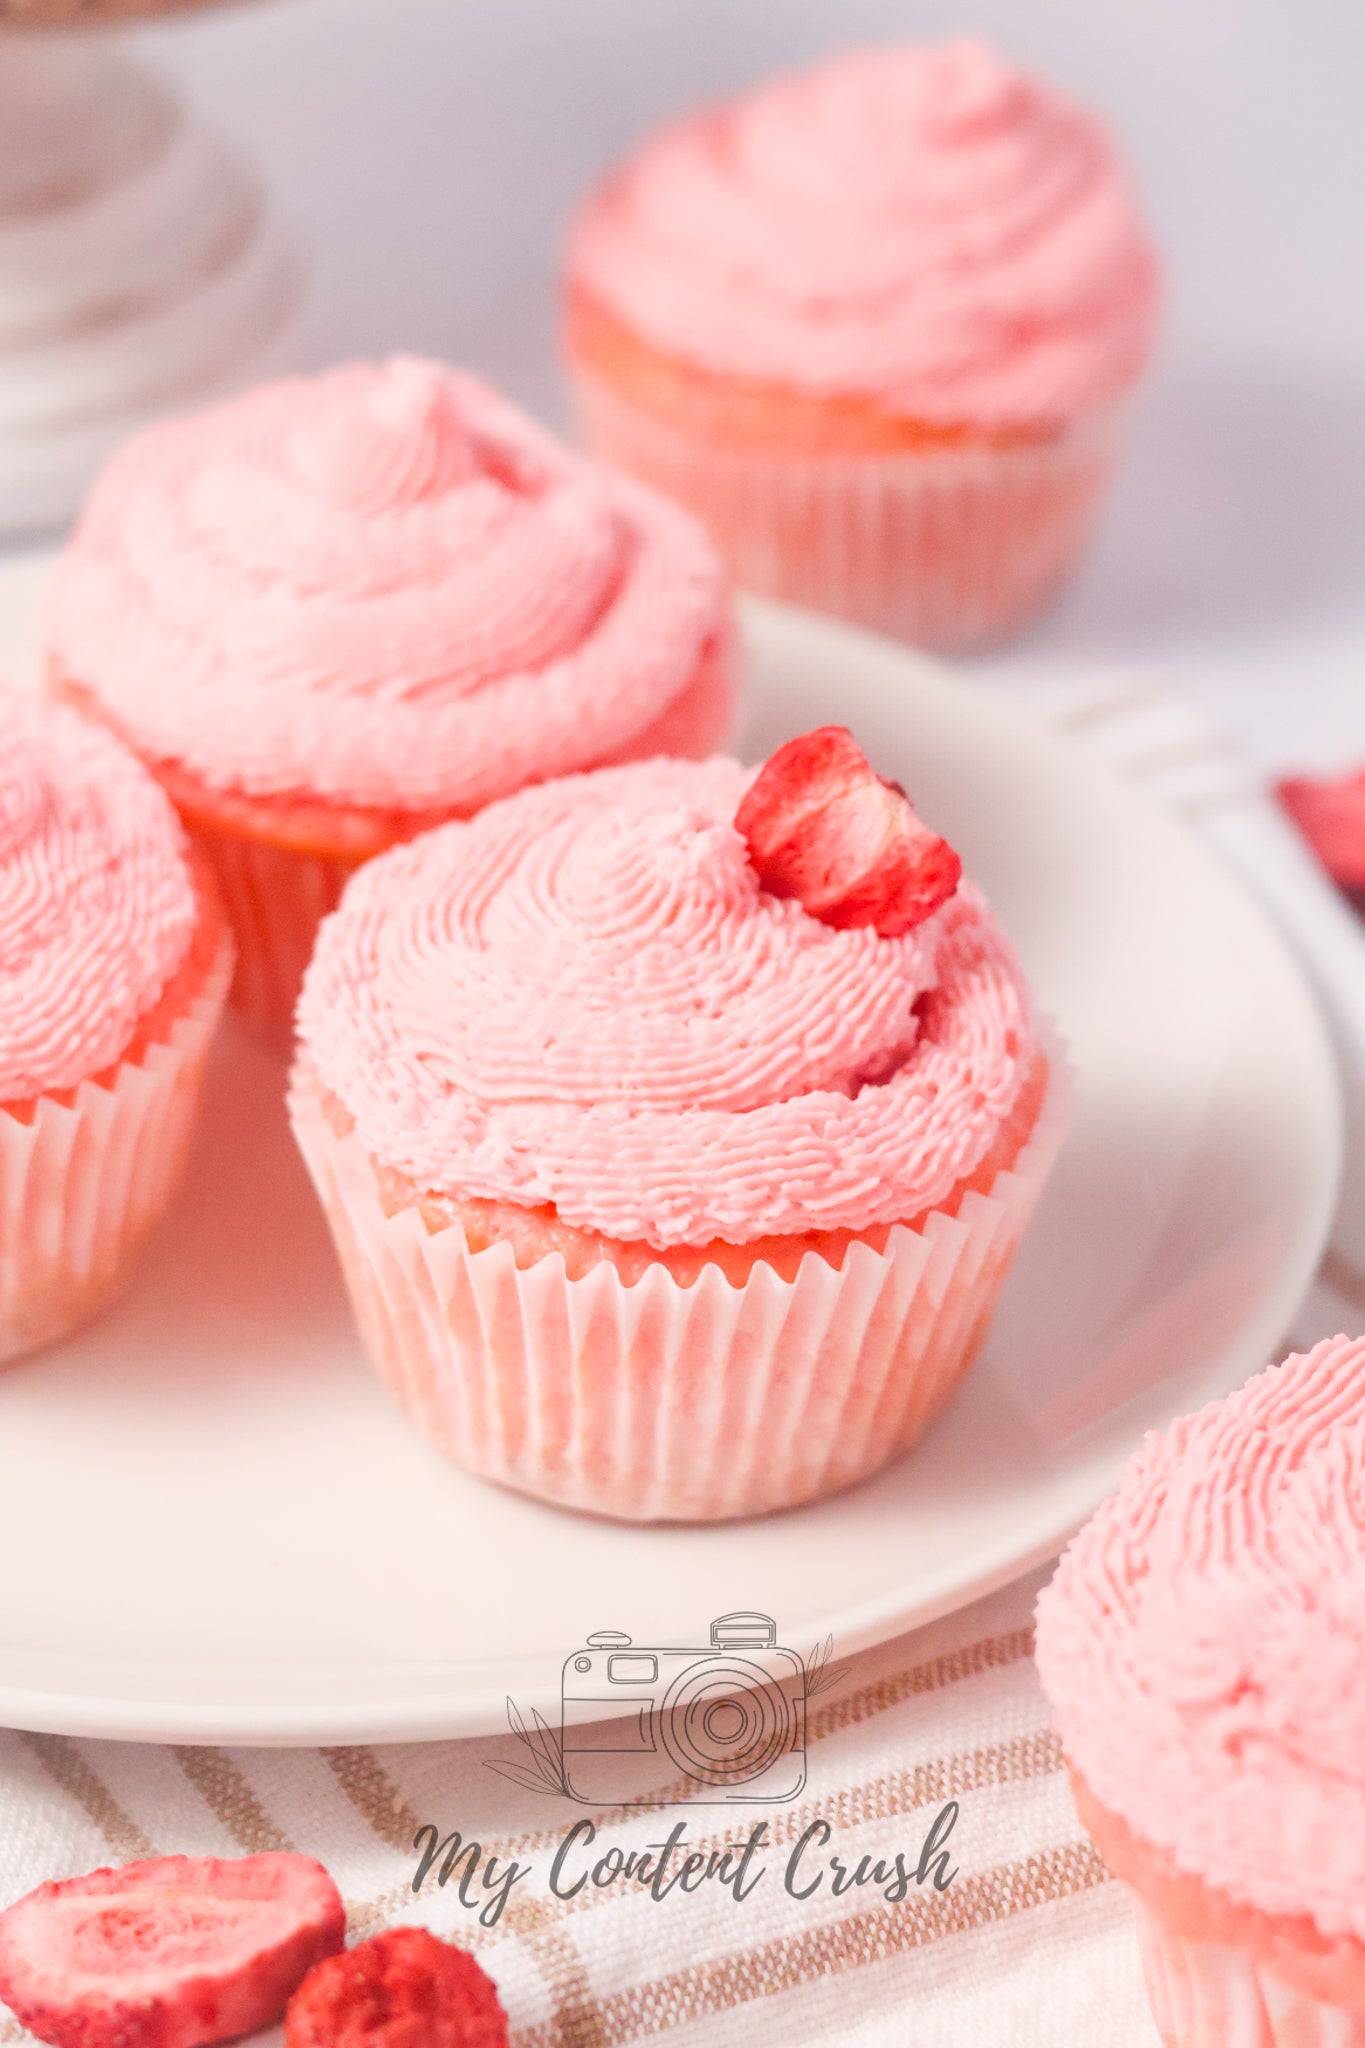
x,y
1331,817
171,1953
403,1989
823,827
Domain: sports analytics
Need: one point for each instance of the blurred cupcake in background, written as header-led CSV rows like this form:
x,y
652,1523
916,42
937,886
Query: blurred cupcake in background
x,y
1203,1645
114,965
875,323
339,610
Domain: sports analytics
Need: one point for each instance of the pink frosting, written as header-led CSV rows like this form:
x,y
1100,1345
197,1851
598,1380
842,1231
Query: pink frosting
x,y
97,907
583,997
923,225
383,586
1203,1643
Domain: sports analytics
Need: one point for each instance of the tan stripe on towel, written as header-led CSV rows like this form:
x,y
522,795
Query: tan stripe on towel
x,y
992,1653
226,1792
66,1766
577,2020
385,1811
937,1779
791,1961
374,1795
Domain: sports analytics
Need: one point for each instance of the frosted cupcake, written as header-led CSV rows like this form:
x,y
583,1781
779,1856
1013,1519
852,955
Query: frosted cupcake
x,y
114,964
676,1129
339,610
1203,1643
875,323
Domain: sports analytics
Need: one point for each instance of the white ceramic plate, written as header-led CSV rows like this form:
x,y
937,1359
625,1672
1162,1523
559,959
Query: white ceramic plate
x,y
216,1527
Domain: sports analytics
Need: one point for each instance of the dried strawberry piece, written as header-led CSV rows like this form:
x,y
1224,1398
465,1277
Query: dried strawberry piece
x,y
822,826
403,1989
174,1952
1331,817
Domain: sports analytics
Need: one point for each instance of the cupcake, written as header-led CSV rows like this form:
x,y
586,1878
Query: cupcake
x,y
1203,1644
114,964
339,610
676,1129
875,323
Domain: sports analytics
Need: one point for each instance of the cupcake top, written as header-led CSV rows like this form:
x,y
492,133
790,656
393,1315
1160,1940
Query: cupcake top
x,y
920,224
383,587
97,905
1203,1643
584,996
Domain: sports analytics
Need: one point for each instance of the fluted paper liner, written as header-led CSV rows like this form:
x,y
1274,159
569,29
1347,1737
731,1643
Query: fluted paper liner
x,y
659,1402
948,547
83,1182
1207,1994
275,899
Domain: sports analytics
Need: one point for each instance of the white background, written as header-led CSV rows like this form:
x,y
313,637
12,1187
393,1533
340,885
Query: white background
x,y
429,150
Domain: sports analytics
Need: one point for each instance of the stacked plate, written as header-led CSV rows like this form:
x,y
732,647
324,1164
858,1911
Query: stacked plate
x,y
140,268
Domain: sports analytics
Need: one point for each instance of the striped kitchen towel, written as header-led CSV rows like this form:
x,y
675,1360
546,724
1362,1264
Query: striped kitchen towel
x,y
939,1743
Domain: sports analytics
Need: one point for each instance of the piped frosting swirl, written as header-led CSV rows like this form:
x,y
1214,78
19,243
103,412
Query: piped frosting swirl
x,y
923,225
582,996
97,906
1203,1643
384,587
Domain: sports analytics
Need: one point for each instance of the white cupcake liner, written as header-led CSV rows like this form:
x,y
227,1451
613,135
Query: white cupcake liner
x,y
86,1179
1206,1994
949,548
659,1402
275,900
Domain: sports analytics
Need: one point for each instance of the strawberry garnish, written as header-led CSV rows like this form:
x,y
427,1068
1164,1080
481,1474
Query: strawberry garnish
x,y
1331,817
403,1989
174,1952
822,826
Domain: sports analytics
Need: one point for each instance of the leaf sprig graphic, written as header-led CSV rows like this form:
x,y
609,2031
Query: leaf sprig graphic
x,y
821,1674
544,1771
